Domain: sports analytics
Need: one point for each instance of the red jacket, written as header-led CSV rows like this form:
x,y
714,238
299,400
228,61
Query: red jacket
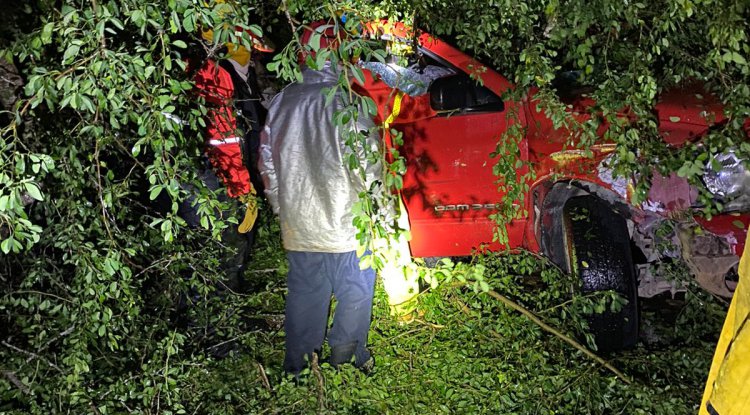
x,y
214,84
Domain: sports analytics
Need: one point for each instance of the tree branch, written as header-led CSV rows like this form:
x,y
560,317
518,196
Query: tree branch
x,y
567,339
11,376
263,376
315,368
288,16
32,355
54,339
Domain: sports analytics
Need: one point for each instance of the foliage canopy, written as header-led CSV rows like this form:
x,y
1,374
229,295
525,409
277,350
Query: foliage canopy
x,y
90,268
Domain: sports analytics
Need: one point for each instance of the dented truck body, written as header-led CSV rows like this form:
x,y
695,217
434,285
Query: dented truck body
x,y
451,125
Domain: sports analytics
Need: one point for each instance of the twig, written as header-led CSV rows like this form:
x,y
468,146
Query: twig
x,y
564,303
166,361
7,80
462,306
288,16
41,293
406,333
100,191
216,346
153,265
286,408
54,339
427,323
624,407
72,68
262,271
571,384
102,40
33,355
315,367
127,407
567,339
129,153
263,376
11,376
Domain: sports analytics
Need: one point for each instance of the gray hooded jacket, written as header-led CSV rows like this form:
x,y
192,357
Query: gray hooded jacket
x,y
302,162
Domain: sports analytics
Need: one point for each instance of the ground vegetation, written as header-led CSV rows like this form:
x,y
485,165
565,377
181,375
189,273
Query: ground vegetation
x,y
94,259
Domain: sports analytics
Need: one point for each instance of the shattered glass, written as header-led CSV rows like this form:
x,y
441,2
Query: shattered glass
x,y
731,182
413,80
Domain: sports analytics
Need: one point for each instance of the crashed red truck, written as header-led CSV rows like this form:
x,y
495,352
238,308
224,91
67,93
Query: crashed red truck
x,y
451,125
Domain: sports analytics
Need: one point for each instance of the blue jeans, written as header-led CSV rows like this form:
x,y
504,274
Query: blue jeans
x,y
312,278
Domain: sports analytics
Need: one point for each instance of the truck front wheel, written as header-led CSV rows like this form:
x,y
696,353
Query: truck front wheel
x,y
598,246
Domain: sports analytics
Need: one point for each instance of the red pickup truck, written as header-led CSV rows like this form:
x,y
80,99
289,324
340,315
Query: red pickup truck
x,y
579,216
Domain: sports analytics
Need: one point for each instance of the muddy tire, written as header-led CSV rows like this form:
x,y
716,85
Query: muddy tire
x,y
598,246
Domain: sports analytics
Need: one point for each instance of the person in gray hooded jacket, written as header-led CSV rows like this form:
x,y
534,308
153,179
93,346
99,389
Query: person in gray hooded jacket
x,y
302,162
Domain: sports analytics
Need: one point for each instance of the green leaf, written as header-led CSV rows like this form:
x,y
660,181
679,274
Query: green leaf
x,y
365,262
33,190
683,170
358,75
189,23
71,52
154,192
321,57
5,246
255,30
314,42
117,23
372,108
87,104
47,33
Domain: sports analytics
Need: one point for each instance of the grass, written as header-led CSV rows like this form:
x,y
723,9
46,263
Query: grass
x,y
465,354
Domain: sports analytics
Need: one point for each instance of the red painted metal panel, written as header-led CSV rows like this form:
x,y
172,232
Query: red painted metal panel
x,y
449,179
449,188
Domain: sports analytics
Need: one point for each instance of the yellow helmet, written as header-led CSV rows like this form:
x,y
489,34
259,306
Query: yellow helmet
x,y
238,53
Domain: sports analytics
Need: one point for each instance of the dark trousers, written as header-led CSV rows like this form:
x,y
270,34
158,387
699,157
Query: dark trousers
x,y
235,262
312,278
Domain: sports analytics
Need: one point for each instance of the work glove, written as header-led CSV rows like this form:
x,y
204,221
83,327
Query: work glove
x,y
251,211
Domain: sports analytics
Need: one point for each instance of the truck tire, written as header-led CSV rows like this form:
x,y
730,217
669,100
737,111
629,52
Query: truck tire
x,y
598,246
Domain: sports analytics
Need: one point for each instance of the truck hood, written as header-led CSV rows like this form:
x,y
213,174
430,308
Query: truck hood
x,y
687,112
684,114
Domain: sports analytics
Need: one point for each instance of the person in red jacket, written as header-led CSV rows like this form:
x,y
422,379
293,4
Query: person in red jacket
x,y
223,139
222,164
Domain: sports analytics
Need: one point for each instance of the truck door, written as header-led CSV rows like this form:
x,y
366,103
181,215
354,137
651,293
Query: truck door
x,y
449,188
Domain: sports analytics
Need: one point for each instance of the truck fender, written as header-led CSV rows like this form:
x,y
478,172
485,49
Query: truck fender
x,y
550,221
